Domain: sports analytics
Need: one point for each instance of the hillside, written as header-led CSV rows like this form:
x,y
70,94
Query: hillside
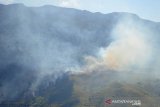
x,y
61,56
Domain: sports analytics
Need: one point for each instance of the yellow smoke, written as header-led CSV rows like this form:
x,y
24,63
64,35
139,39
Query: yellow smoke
x,y
130,48
126,52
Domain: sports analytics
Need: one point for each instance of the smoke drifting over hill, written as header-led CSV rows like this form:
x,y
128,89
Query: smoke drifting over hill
x,y
37,42
132,48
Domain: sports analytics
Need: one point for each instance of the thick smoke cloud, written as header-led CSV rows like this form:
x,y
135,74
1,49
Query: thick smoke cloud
x,y
45,41
133,49
49,41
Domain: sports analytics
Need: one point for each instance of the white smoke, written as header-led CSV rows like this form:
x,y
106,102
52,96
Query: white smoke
x,y
130,49
6,1
69,3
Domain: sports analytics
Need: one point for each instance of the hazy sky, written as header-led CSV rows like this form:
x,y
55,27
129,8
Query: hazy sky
x,y
148,9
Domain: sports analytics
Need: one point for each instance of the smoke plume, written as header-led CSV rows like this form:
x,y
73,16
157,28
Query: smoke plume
x,y
132,49
37,42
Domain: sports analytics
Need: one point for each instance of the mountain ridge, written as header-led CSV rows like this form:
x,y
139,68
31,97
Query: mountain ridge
x,y
40,46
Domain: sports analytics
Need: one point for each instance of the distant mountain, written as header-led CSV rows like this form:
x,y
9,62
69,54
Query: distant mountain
x,y
40,45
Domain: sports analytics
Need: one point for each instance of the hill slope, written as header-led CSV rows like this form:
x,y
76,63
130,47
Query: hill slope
x,y
39,45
